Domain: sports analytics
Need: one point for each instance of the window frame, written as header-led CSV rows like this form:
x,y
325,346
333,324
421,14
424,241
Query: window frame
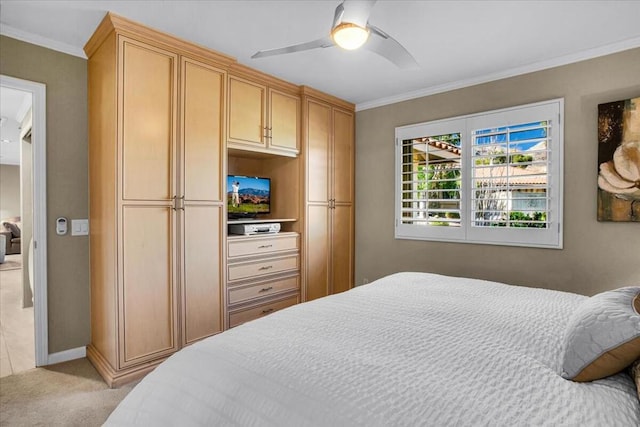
x,y
550,237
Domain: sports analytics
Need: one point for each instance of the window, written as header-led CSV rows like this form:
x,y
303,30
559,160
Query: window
x,y
492,177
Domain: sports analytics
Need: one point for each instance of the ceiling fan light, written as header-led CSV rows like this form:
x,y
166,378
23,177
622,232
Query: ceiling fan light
x,y
349,36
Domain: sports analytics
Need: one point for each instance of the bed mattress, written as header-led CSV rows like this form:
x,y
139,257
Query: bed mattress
x,y
409,349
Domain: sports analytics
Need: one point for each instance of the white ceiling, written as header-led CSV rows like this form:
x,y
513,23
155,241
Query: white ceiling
x,y
14,105
456,43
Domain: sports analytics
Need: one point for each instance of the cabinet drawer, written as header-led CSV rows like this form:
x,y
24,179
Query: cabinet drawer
x,y
247,270
257,246
263,289
252,313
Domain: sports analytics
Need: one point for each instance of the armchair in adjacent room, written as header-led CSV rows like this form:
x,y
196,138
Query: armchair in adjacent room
x,y
11,229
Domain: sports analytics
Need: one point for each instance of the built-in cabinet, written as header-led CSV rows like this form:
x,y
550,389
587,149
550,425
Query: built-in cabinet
x,y
168,120
328,149
263,275
264,271
156,158
263,116
202,194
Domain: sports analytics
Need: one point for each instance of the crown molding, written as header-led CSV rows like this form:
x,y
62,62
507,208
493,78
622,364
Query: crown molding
x,y
25,36
512,72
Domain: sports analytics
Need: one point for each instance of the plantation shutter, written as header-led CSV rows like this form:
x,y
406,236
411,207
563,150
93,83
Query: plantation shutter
x,y
515,179
493,177
430,180
510,176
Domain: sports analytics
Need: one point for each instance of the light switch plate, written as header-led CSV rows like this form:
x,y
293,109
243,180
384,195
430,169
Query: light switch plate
x,y
79,227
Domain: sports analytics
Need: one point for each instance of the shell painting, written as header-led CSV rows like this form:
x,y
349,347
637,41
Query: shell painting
x,y
619,161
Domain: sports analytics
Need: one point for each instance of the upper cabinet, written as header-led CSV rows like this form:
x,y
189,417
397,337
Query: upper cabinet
x,y
284,121
247,113
263,113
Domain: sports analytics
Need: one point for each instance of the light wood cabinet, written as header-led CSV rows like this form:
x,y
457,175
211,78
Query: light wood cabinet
x,y
284,121
245,314
202,272
263,117
147,292
203,197
329,193
263,275
167,118
247,113
156,158
148,78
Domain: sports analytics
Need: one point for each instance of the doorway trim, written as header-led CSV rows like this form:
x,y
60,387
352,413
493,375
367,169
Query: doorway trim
x,y
39,140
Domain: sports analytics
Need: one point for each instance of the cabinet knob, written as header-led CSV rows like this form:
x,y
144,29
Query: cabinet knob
x,y
266,267
266,289
267,311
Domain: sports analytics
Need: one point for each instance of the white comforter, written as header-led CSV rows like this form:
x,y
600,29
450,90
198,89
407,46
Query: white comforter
x,y
409,349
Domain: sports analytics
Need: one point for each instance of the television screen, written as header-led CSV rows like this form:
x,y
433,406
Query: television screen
x,y
248,196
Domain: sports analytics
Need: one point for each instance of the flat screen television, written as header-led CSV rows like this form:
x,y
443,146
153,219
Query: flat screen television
x,y
248,196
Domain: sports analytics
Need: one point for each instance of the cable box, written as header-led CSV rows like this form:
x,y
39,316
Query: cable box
x,y
254,228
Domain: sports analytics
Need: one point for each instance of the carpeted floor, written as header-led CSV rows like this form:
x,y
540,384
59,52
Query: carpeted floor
x,y
66,394
11,262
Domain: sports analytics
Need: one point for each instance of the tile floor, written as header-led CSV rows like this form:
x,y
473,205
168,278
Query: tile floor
x,y
17,348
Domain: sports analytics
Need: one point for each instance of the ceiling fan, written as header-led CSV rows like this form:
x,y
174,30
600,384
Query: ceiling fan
x,y
350,30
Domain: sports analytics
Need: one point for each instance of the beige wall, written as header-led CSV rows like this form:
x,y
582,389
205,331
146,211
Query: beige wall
x,y
9,191
597,255
67,189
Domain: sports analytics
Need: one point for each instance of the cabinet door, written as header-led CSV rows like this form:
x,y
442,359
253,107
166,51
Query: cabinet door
x,y
247,108
147,118
202,272
202,124
343,156
147,297
284,120
341,248
202,148
318,151
317,252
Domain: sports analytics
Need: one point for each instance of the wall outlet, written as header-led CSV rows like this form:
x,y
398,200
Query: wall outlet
x,y
365,281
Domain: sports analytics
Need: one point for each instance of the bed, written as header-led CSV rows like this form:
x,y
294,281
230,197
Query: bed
x,y
409,349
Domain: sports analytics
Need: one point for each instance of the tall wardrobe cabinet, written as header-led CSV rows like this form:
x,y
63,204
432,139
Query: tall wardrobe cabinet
x,y
156,165
328,148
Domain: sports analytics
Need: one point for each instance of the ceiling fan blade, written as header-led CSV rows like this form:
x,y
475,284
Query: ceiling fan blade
x,y
354,11
323,42
337,15
388,47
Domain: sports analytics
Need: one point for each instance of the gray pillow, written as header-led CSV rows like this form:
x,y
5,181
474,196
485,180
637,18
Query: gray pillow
x,y
603,335
13,227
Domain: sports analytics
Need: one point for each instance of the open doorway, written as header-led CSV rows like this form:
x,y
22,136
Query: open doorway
x,y
17,332
23,328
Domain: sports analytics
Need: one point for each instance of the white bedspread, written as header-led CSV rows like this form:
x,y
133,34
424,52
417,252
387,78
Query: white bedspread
x,y
410,349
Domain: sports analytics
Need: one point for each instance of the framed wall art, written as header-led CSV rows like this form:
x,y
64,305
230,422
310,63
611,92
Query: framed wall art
x,y
619,161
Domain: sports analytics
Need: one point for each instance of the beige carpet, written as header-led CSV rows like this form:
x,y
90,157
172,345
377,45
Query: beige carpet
x,y
66,394
17,345
11,262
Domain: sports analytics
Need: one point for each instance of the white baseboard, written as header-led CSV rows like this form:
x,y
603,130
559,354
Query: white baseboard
x,y
65,356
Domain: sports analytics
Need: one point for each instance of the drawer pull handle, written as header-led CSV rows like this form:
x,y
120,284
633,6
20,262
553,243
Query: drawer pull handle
x,y
264,246
267,311
266,267
266,289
